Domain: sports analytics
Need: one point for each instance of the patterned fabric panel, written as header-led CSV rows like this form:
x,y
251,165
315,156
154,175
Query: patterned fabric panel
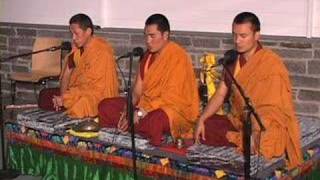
x,y
48,121
111,135
201,159
228,159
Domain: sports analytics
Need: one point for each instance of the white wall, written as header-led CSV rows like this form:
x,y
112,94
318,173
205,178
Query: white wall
x,y
278,17
316,18
57,12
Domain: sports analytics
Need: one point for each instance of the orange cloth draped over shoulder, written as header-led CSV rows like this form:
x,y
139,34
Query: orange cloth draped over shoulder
x,y
94,78
266,81
170,84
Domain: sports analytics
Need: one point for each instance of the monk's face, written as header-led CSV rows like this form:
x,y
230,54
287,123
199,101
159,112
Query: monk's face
x,y
154,39
80,37
245,38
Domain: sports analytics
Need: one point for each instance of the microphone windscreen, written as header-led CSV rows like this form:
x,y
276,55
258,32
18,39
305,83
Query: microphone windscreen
x,y
66,46
97,27
230,56
138,51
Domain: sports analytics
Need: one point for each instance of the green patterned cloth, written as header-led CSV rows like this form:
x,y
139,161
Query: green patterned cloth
x,y
52,166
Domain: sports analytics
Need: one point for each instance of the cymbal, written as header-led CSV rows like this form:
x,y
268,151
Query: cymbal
x,y
87,126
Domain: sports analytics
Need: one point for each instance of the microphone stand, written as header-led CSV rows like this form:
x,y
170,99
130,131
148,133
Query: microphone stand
x,y
30,53
247,128
131,120
5,172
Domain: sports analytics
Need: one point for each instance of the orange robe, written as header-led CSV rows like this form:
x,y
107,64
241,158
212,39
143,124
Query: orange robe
x,y
170,84
266,81
93,79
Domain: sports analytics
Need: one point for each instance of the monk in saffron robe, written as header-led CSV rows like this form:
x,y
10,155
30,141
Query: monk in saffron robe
x,y
165,92
265,79
89,74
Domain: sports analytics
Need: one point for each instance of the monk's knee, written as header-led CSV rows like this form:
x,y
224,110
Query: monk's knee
x,y
45,98
109,111
154,126
110,105
102,113
102,105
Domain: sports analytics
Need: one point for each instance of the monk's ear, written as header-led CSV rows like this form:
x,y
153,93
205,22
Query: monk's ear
x,y
166,35
257,35
88,31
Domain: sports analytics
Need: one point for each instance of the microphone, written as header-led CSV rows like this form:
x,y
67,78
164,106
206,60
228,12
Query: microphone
x,y
97,27
137,51
64,46
228,58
